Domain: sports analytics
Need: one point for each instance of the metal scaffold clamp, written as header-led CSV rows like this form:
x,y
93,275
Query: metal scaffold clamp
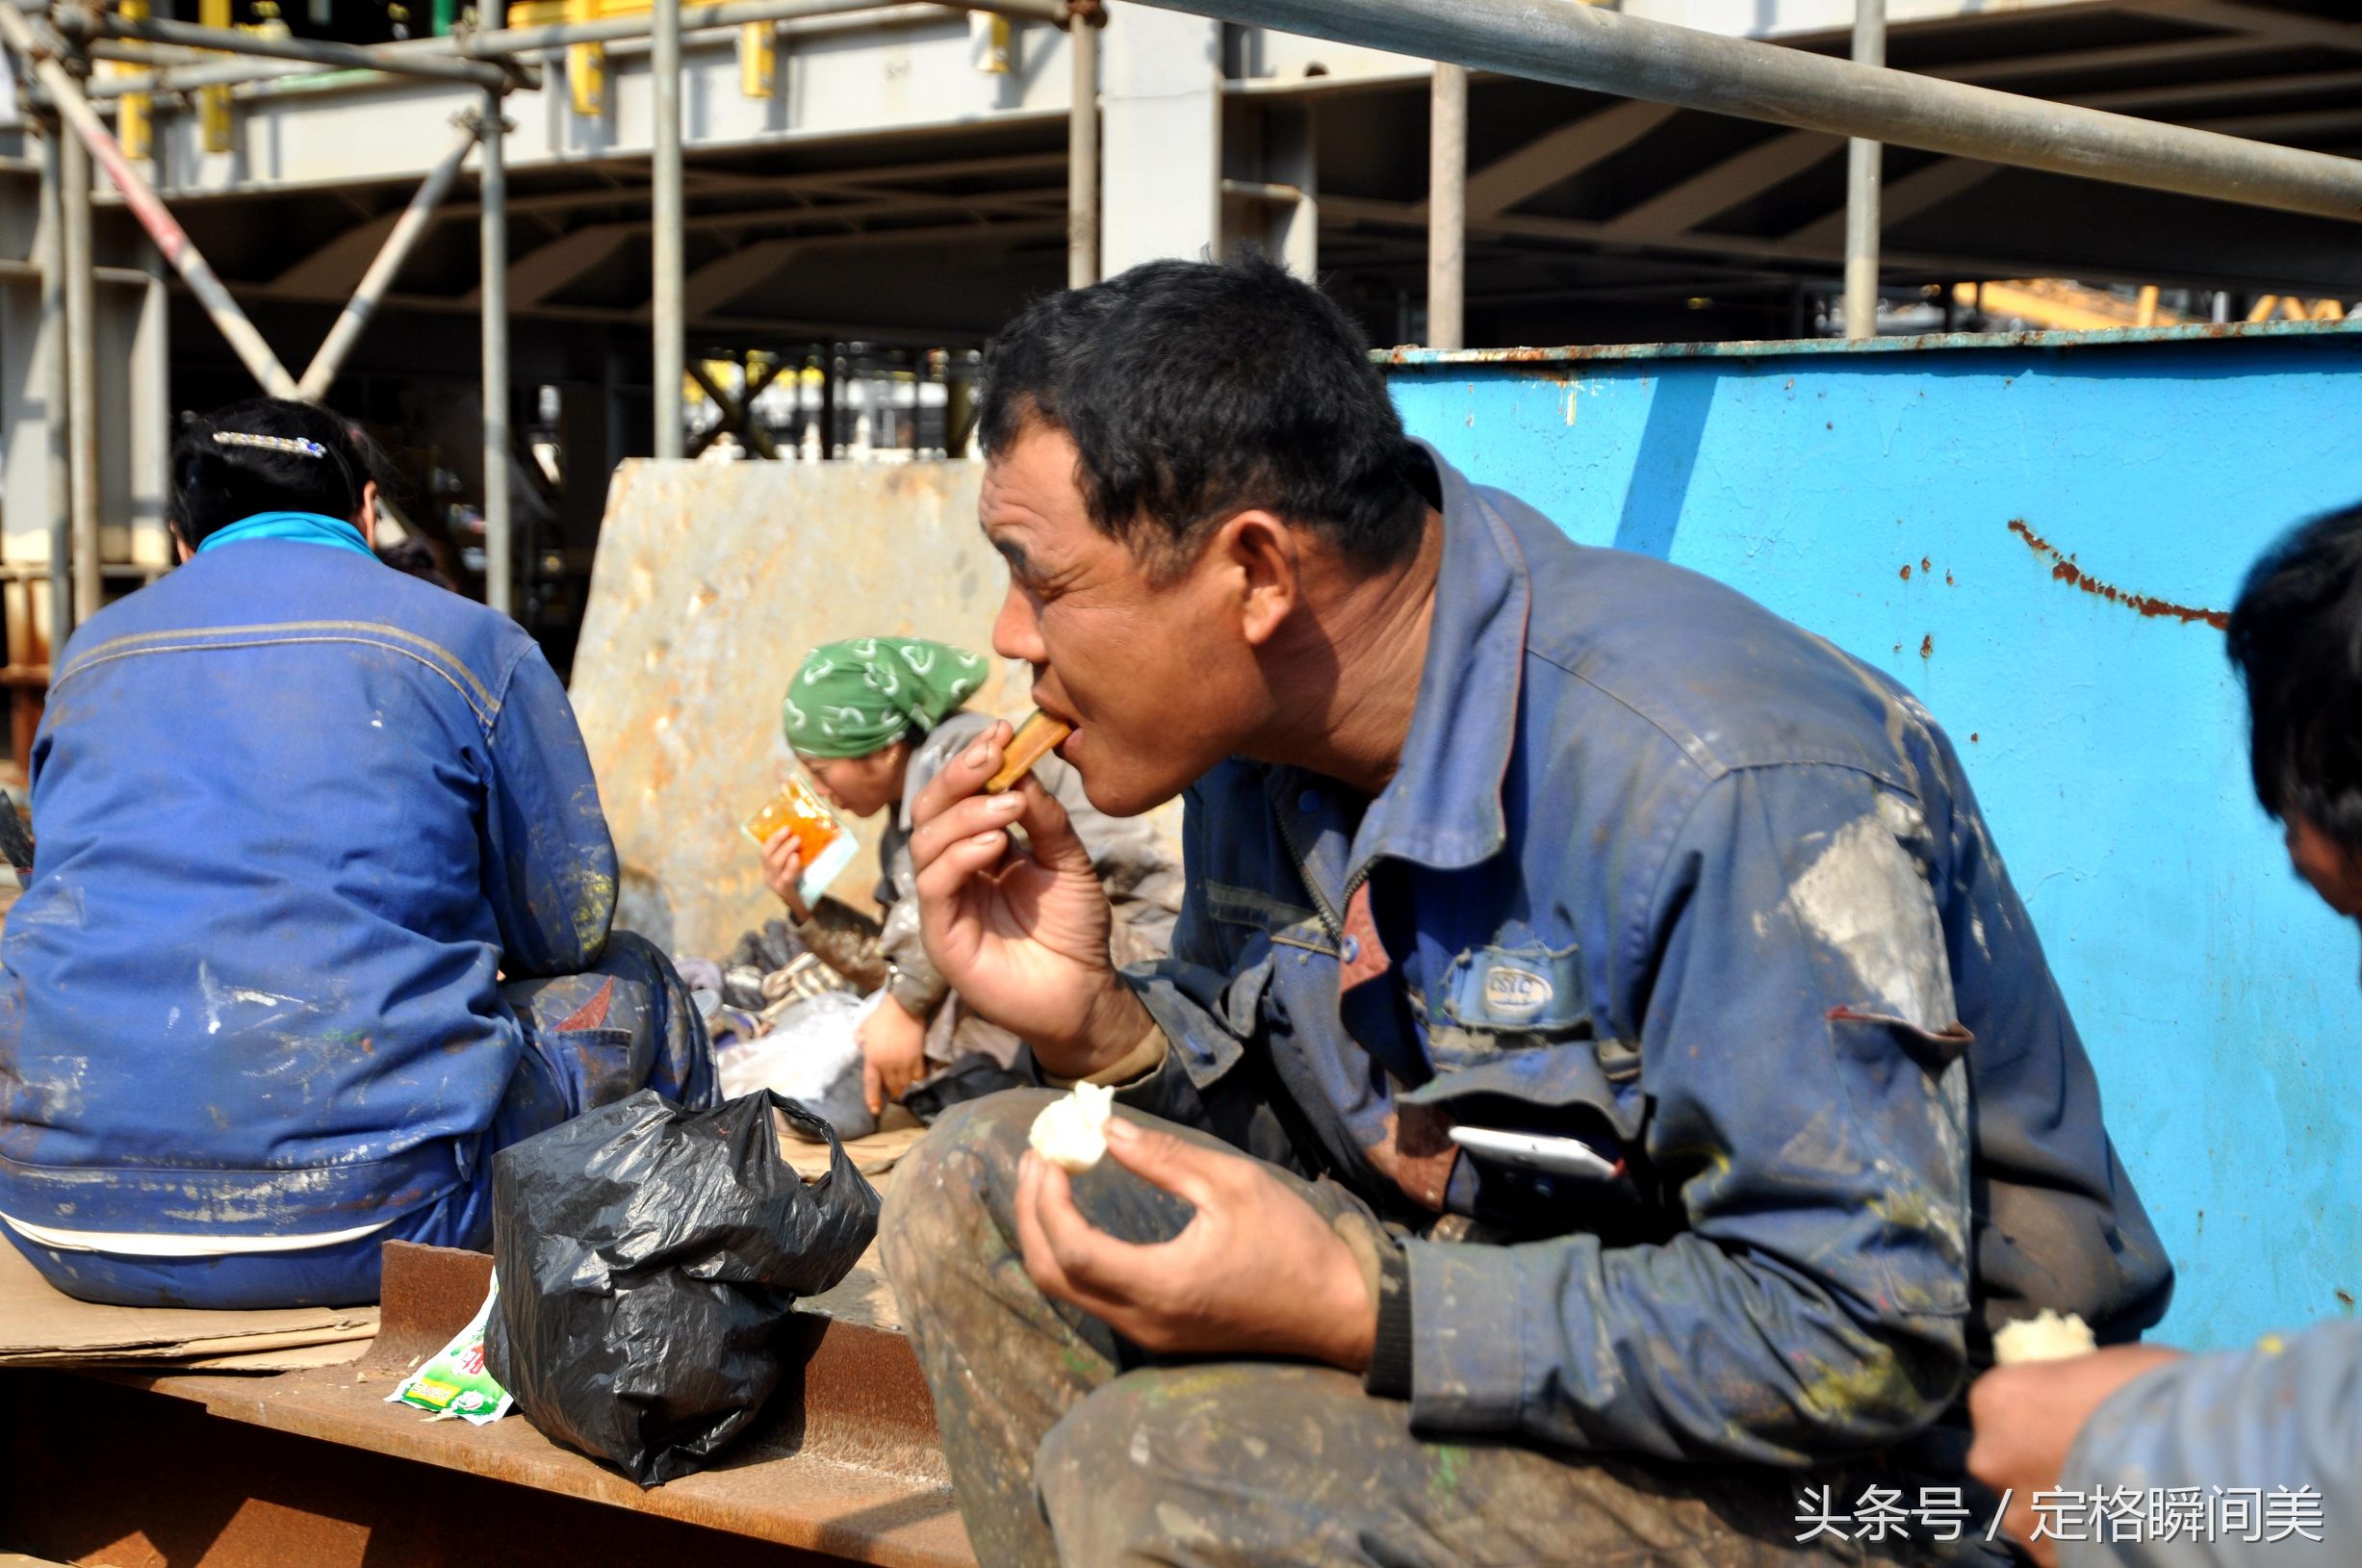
x,y
474,121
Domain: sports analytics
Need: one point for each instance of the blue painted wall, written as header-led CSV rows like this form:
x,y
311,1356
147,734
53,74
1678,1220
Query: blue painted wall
x,y
2220,1001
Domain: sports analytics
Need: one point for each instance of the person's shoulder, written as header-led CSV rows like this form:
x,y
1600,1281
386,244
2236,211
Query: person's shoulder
x,y
1725,682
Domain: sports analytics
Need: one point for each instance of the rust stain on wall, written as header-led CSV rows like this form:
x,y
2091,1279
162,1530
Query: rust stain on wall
x,y
2065,570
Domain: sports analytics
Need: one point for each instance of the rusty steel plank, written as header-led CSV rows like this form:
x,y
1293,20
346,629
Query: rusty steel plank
x,y
844,1460
92,1473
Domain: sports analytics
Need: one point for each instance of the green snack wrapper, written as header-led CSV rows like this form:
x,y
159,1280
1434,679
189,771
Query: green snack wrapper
x,y
453,1381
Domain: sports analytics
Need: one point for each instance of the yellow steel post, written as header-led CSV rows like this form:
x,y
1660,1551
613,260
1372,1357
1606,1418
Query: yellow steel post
x,y
586,64
758,60
214,102
134,125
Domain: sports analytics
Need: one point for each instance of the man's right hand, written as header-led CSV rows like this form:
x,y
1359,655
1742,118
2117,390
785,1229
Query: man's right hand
x,y
783,867
1021,937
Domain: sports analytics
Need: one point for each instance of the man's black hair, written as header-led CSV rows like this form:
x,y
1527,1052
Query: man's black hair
x,y
214,484
2296,636
1195,390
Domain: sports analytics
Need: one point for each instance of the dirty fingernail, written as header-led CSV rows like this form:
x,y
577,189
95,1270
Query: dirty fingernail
x,y
978,755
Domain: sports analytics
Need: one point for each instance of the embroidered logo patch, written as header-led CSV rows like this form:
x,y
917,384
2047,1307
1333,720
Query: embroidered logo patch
x,y
1515,996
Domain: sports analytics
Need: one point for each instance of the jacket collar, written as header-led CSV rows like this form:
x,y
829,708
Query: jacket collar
x,y
1443,807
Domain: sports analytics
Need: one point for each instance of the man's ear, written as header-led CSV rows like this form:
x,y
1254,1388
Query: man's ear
x,y
180,546
1260,553
367,520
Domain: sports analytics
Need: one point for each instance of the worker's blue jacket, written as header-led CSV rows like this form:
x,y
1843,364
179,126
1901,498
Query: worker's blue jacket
x,y
2240,1459
294,810
1663,873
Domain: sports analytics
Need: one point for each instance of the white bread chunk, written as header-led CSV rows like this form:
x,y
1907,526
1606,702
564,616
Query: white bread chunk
x,y
1071,1132
2044,1337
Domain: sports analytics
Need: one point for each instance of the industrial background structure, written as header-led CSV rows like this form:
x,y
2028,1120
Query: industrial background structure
x,y
522,247
512,246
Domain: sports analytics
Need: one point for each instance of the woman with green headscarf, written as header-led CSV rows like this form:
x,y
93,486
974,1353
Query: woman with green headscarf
x,y
872,720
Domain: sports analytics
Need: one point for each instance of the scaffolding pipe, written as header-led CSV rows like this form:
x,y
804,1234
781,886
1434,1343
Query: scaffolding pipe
x,y
506,43
441,67
665,214
408,230
1448,208
81,375
1605,51
1864,161
66,94
493,177
55,393
1083,150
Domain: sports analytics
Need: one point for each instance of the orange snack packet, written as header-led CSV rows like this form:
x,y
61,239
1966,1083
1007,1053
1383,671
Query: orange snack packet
x,y
824,844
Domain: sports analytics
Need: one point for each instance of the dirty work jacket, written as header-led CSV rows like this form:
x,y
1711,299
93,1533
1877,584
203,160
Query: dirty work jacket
x,y
294,809
1664,873
2240,1459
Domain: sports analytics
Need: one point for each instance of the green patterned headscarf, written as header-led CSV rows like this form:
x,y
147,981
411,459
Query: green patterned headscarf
x,y
854,698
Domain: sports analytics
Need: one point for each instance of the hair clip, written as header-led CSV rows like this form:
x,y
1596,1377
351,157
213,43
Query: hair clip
x,y
295,445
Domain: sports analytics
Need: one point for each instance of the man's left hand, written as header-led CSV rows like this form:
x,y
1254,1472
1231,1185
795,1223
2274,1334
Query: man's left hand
x,y
893,1053
1257,1270
2028,1416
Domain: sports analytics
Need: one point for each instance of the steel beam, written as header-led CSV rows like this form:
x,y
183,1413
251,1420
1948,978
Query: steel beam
x,y
736,14
309,51
66,94
354,319
504,45
1604,51
1083,149
737,415
1557,156
492,304
81,347
1864,163
56,391
1447,207
665,213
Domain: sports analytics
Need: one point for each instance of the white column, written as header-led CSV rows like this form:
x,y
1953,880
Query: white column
x,y
1161,98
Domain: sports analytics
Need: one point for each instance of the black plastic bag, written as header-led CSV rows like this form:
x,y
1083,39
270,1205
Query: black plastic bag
x,y
648,1257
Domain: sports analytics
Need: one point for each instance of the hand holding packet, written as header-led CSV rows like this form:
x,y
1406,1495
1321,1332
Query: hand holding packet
x,y
826,845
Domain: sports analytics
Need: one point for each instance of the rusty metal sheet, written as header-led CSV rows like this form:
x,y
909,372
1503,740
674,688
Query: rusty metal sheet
x,y
844,1461
97,1473
713,581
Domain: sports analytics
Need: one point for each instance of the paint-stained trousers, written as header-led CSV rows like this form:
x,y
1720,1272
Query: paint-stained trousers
x,y
590,1038
1069,1445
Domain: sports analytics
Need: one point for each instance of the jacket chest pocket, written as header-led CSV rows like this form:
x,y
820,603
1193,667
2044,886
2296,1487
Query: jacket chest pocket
x,y
1507,998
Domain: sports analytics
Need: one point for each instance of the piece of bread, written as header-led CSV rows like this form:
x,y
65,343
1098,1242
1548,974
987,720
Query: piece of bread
x,y
2044,1337
1071,1130
1035,738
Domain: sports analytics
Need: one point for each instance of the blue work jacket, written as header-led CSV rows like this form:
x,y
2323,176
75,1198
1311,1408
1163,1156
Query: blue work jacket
x,y
294,810
1664,874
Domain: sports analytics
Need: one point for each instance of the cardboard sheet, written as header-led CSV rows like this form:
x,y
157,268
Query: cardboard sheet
x,y
872,1156
42,1326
